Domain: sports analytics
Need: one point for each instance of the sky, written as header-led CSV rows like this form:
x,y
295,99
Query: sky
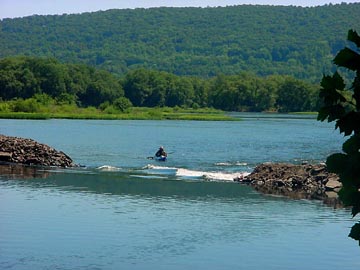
x,y
21,8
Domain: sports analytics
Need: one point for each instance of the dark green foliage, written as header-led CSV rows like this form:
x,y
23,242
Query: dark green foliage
x,y
205,42
70,84
122,104
151,88
247,92
294,95
145,88
344,108
26,77
102,87
355,232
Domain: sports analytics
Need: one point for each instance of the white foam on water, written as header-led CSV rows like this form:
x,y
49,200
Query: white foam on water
x,y
154,167
237,163
241,163
186,173
148,176
220,176
108,168
223,164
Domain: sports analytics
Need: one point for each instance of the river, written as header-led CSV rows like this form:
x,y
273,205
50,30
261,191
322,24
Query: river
x,y
122,210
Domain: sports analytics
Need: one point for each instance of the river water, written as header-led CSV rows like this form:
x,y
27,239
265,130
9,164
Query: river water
x,y
125,211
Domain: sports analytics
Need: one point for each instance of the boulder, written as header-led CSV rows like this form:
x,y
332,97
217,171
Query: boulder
x,y
333,185
5,156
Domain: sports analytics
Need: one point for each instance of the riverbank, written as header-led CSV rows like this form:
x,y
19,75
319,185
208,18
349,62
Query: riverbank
x,y
29,152
134,113
307,181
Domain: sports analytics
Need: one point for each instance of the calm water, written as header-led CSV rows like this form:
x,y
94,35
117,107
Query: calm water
x,y
124,211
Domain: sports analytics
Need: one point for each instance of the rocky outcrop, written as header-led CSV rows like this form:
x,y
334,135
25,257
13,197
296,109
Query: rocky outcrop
x,y
29,152
295,181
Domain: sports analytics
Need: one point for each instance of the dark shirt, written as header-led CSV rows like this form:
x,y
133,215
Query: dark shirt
x,y
160,153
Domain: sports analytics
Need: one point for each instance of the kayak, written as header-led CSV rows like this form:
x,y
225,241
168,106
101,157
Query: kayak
x,y
161,158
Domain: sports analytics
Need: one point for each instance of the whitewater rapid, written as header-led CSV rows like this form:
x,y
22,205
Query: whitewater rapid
x,y
157,171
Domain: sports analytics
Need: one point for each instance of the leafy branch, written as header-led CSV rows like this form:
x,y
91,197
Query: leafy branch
x,y
343,106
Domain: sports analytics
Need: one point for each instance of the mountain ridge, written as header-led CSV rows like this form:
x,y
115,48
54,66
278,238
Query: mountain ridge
x,y
205,42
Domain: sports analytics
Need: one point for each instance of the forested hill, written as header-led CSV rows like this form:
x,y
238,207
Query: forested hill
x,y
266,40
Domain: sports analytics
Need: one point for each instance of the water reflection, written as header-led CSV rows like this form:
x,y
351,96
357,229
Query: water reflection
x,y
14,171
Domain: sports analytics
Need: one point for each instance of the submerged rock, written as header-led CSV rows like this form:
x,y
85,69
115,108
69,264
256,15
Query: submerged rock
x,y
29,152
296,181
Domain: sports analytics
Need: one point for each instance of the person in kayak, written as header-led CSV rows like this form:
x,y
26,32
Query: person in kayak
x,y
161,152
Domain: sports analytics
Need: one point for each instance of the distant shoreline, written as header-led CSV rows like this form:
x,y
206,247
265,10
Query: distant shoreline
x,y
151,114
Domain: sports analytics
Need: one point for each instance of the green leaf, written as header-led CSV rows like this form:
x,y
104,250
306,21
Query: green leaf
x,y
331,96
352,145
347,194
326,82
348,58
336,163
355,232
333,112
349,123
355,210
353,169
338,81
356,88
323,113
336,112
354,37
333,82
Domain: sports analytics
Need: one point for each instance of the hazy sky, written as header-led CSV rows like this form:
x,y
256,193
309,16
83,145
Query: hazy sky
x,y
21,8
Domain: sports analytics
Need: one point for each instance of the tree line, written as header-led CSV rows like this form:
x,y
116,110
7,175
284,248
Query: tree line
x,y
23,78
203,42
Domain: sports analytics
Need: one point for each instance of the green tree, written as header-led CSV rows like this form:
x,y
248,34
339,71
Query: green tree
x,y
346,112
52,75
122,104
294,96
142,88
103,86
201,92
180,92
222,94
10,87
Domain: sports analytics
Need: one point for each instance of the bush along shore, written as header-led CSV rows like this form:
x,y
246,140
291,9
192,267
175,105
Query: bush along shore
x,y
305,181
29,152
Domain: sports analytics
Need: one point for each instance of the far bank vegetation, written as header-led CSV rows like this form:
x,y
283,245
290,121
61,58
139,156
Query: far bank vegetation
x,y
46,87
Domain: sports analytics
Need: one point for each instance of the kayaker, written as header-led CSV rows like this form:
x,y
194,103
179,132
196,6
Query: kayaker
x,y
161,152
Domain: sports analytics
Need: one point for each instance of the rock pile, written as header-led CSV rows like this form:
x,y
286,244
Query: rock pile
x,y
29,152
295,181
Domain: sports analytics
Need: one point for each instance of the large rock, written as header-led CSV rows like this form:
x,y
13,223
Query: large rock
x,y
296,181
29,152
